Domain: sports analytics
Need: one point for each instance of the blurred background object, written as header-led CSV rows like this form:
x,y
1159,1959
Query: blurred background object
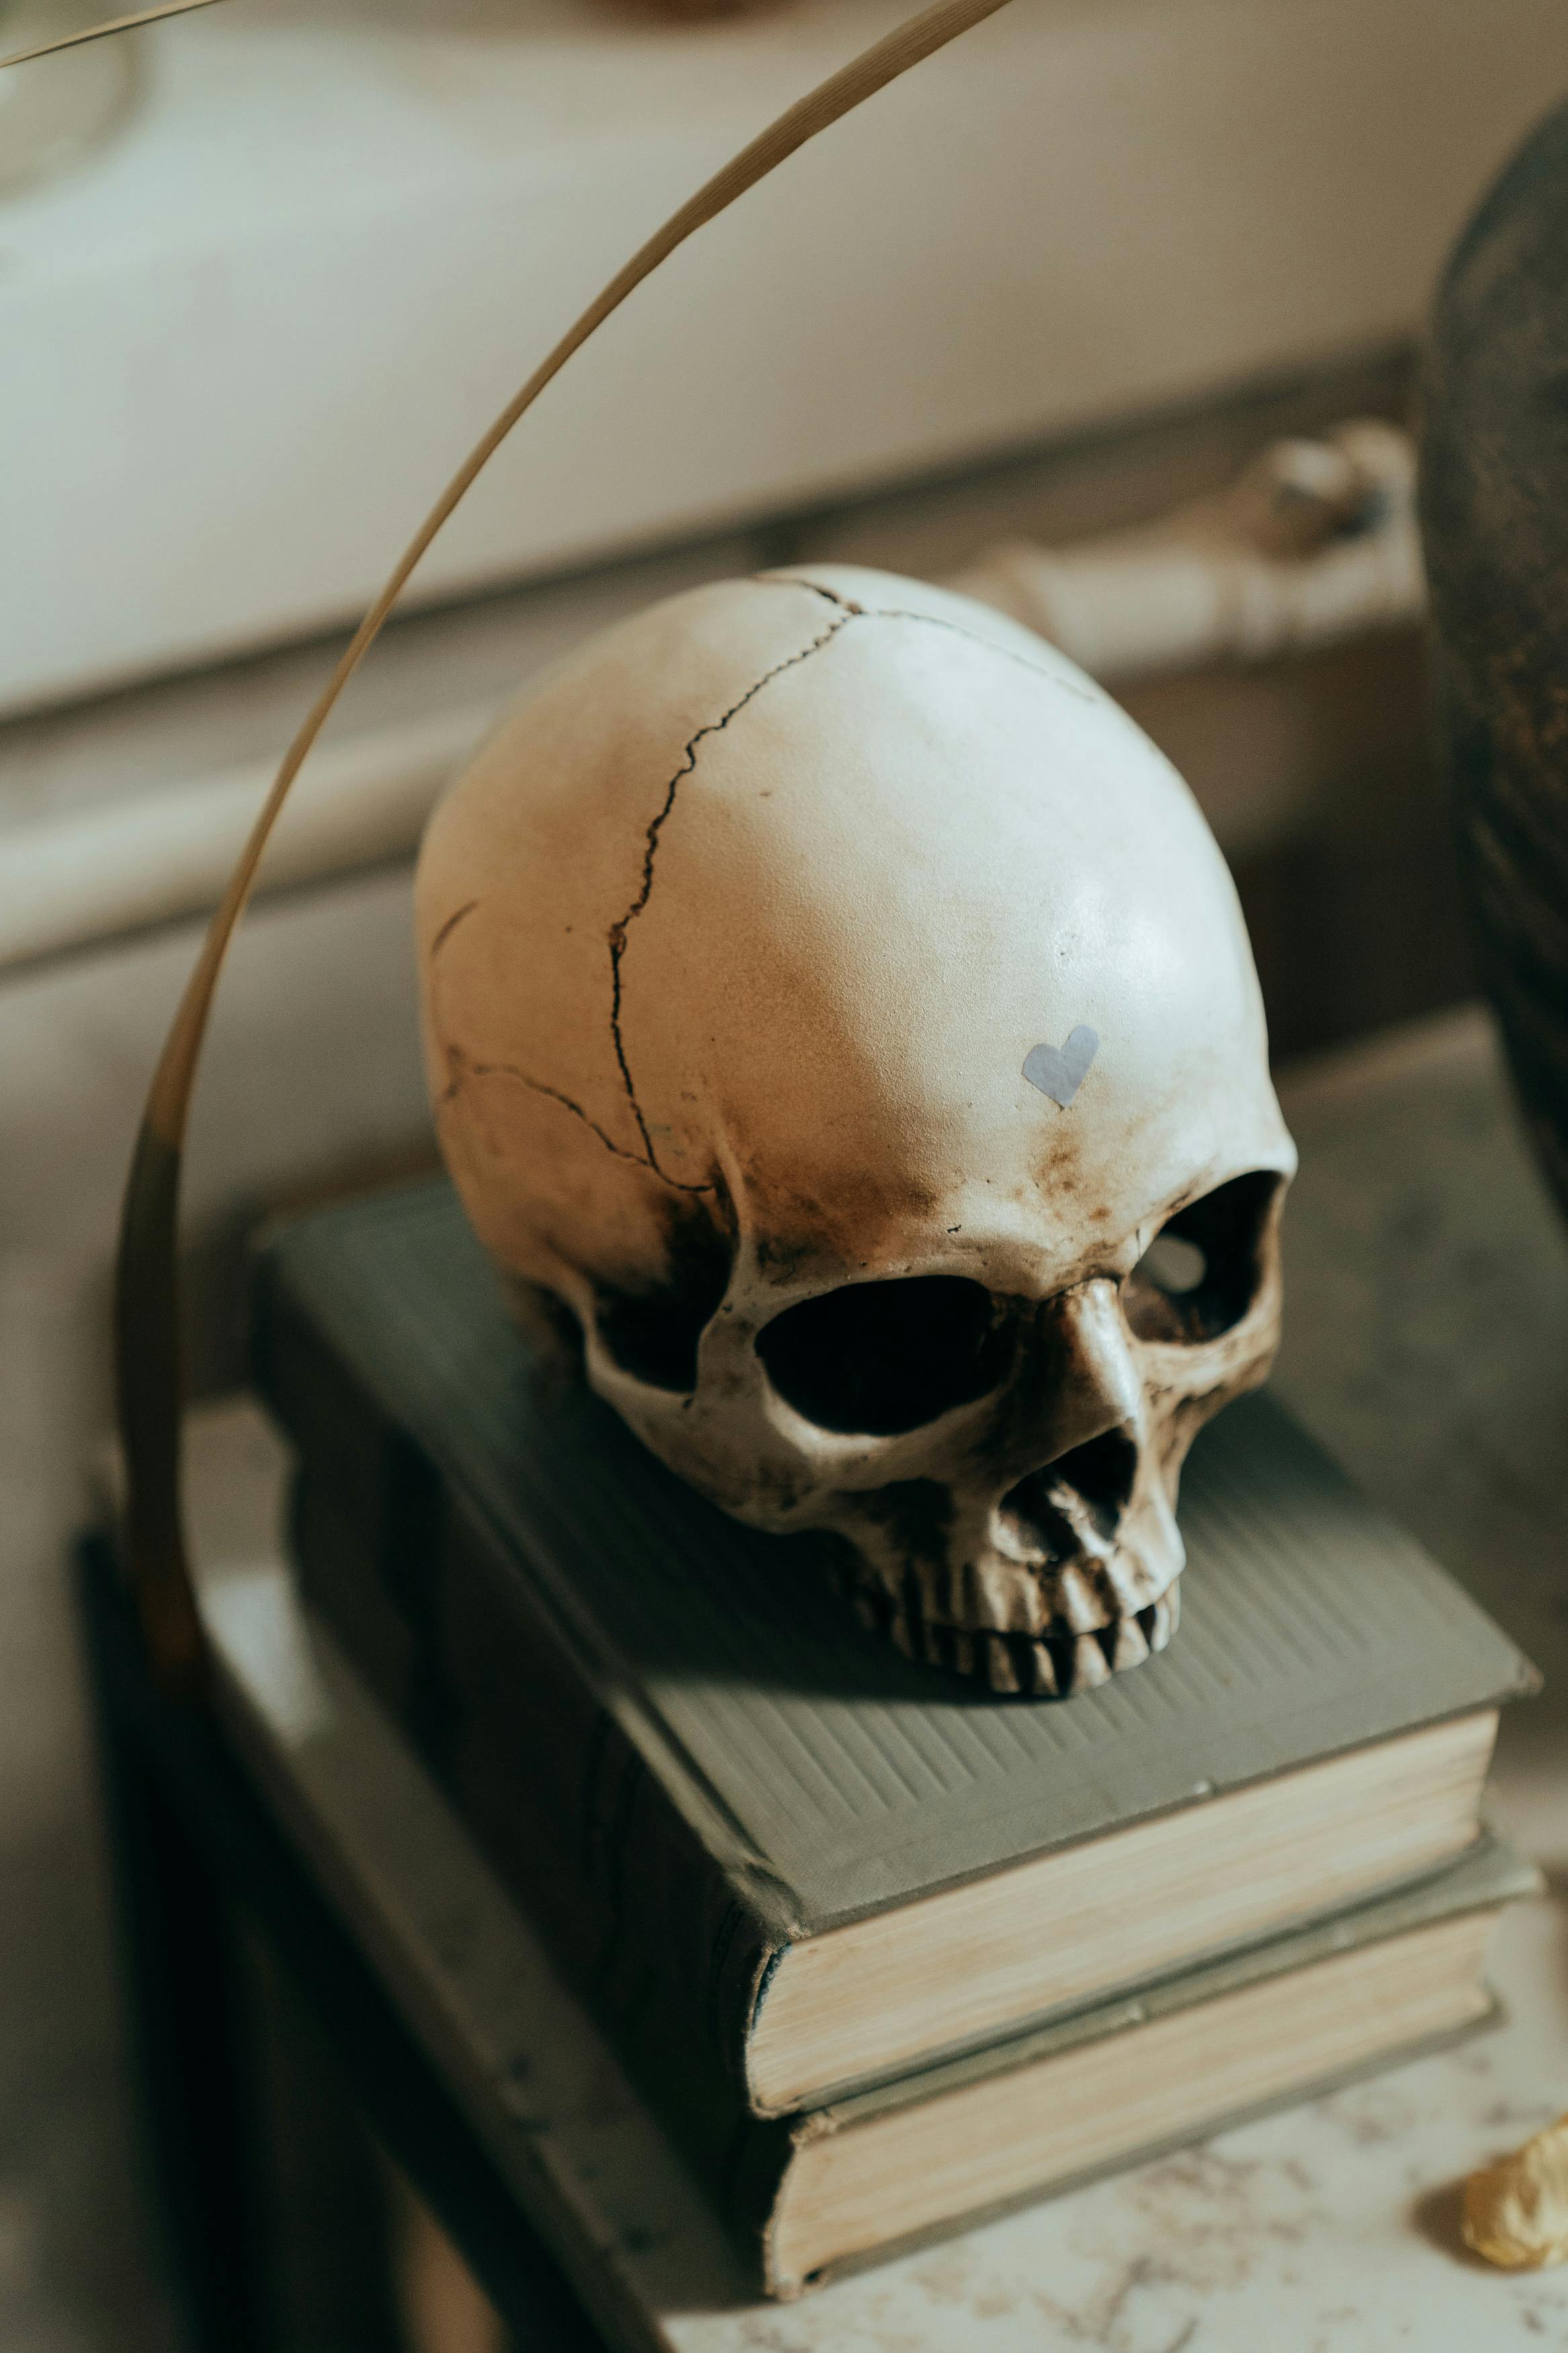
x,y
1313,546
57,110
1314,542
254,334
1496,514
1063,289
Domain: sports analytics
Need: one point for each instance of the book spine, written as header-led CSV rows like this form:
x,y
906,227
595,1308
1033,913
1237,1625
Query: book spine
x,y
572,1818
659,1932
466,1658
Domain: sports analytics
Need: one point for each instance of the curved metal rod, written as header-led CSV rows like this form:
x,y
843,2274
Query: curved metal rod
x,y
97,32
147,1353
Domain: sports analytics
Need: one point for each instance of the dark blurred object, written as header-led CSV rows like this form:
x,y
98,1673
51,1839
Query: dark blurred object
x,y
1494,510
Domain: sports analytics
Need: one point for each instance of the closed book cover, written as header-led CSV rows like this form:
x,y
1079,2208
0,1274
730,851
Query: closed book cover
x,y
668,1729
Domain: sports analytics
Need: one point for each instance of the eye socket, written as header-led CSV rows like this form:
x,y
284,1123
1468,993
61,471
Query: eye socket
x,y
877,1358
652,1333
1200,1274
1172,1264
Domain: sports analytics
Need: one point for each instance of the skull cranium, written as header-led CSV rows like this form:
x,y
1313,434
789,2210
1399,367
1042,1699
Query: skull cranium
x,y
837,1002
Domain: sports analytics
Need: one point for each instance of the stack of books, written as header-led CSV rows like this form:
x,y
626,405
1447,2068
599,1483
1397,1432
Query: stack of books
x,y
885,1951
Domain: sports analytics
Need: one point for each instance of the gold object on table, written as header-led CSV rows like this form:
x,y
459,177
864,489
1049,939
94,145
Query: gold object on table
x,y
1516,2211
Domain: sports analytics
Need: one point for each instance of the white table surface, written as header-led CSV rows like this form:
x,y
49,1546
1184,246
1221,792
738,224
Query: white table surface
x,y
1429,1343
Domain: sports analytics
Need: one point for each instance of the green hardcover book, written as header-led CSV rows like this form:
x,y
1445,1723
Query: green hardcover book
x,y
785,1863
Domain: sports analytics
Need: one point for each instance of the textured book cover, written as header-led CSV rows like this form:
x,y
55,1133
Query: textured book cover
x,y
670,1731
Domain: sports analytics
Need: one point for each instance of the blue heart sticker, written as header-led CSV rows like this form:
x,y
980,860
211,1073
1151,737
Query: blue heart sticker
x,y
1059,1071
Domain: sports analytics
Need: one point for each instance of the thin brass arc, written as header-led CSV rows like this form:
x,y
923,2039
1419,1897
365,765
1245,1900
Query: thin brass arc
x,y
146,1312
99,32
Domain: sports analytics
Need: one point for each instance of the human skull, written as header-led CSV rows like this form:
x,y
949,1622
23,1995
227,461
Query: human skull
x,y
837,1002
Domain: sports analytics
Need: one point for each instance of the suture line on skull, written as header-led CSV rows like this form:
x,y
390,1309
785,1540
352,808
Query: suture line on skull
x,y
460,1069
847,610
852,611
450,926
617,931
1004,653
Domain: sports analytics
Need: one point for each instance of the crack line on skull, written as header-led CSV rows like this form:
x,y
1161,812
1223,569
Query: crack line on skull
x,y
845,605
928,620
1007,653
847,611
462,1067
617,931
450,926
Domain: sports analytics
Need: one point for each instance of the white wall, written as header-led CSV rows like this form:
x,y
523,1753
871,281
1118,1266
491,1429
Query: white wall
x,y
243,349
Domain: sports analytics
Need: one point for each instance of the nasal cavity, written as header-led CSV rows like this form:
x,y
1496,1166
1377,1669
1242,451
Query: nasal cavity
x,y
1092,1483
